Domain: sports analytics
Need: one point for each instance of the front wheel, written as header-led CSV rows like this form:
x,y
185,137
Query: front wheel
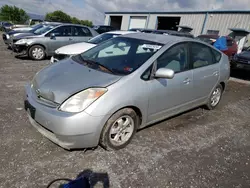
x,y
119,129
215,97
37,52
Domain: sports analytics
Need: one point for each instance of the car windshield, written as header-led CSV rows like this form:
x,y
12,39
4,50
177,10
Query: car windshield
x,y
43,30
37,26
101,38
119,55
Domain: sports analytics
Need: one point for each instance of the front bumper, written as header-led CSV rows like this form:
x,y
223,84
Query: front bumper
x,y
18,48
240,65
68,130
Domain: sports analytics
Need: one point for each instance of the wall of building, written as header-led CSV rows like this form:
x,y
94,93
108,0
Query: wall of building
x,y
193,20
214,21
222,22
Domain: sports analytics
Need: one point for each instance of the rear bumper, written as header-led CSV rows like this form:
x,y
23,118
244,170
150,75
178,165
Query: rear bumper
x,y
68,130
240,65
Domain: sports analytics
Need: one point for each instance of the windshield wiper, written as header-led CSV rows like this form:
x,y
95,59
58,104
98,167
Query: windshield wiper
x,y
96,63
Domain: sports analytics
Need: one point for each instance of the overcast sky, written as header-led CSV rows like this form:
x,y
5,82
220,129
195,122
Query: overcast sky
x,y
94,9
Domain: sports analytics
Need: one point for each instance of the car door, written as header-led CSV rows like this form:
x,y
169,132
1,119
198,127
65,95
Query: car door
x,y
60,36
170,96
205,70
80,34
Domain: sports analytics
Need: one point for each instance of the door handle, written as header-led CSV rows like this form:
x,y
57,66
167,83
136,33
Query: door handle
x,y
186,81
216,73
70,39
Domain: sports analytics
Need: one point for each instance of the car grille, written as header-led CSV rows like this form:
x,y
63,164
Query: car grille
x,y
60,56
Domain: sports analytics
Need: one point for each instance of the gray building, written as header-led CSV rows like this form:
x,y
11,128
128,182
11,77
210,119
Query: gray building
x,y
202,22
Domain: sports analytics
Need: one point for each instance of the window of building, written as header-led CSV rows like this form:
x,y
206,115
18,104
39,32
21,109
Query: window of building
x,y
213,32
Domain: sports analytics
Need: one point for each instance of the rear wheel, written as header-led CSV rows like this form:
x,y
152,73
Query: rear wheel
x,y
215,97
37,52
119,129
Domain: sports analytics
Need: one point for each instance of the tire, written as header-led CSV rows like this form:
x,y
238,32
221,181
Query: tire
x,y
113,133
40,55
215,98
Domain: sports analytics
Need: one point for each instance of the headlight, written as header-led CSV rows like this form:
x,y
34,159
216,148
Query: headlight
x,y
21,41
7,36
82,100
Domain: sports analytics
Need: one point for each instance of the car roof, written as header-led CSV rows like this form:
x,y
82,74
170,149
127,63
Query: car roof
x,y
120,32
163,39
52,23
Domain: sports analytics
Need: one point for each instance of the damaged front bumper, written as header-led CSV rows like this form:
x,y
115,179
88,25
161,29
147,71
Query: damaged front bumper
x,y
20,49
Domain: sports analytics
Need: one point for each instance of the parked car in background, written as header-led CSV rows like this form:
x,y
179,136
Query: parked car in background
x,y
28,23
103,28
74,49
15,32
142,30
46,40
6,26
231,44
241,60
164,32
104,95
174,33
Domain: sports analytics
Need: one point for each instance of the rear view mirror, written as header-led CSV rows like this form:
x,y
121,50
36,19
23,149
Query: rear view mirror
x,y
164,73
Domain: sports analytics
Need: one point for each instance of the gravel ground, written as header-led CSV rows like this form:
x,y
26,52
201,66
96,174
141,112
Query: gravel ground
x,y
197,149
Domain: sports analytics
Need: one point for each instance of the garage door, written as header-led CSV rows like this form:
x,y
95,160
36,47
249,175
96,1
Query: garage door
x,y
137,22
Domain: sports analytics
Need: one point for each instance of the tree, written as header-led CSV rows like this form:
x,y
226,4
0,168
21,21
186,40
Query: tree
x,y
86,22
13,14
58,16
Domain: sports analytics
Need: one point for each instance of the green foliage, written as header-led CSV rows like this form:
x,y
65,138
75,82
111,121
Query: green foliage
x,y
13,14
59,16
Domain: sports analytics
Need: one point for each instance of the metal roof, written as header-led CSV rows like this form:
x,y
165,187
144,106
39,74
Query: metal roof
x,y
185,12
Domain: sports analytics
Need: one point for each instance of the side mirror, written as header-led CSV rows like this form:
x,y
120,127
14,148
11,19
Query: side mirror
x,y
52,35
164,73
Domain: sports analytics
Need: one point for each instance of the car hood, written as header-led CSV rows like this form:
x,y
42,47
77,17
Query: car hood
x,y
18,31
245,55
25,36
74,49
59,81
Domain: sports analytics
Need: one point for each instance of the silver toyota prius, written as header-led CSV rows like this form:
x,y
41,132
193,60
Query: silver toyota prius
x,y
104,95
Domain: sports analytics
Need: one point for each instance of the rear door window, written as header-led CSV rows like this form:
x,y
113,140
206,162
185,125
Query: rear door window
x,y
201,55
81,31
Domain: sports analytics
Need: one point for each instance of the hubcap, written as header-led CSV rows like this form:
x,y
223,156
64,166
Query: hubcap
x,y
37,53
122,130
216,95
